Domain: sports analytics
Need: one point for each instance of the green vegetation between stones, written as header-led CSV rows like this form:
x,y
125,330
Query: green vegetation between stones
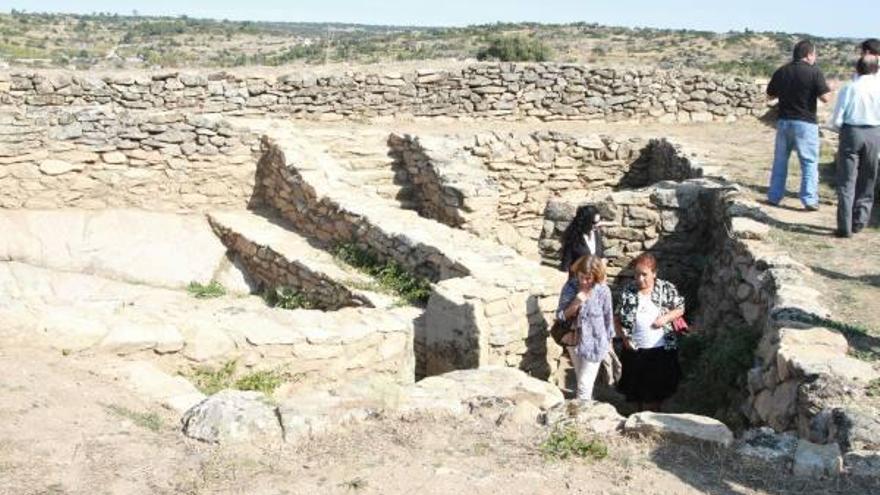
x,y
201,291
565,443
150,421
715,371
390,275
212,380
287,298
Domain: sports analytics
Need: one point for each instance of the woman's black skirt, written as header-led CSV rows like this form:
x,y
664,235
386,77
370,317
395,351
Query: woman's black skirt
x,y
649,375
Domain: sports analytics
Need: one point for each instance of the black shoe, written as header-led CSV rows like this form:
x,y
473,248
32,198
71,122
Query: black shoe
x,y
842,234
857,228
814,207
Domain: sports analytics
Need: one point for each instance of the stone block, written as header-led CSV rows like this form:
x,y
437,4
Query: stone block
x,y
690,427
817,461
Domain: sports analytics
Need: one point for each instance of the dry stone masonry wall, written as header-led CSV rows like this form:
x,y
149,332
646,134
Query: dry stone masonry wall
x,y
488,305
544,91
499,189
105,157
803,378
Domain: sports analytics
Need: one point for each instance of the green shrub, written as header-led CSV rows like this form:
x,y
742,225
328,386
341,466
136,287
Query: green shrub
x,y
200,291
516,48
565,443
265,381
390,275
715,370
287,298
212,380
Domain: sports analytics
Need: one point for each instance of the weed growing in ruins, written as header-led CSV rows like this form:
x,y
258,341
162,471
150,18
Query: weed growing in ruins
x,y
202,291
873,388
211,380
715,369
265,381
390,275
355,484
287,298
565,443
150,421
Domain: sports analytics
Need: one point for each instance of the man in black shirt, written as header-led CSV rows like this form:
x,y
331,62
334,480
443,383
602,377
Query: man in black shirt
x,y
797,85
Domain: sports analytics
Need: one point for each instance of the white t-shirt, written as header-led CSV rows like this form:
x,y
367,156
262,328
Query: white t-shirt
x,y
590,241
644,335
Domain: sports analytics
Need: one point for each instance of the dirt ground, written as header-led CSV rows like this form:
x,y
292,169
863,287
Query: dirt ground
x,y
67,429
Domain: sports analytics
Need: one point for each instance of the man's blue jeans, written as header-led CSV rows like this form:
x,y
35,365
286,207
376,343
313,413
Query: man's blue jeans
x,y
803,137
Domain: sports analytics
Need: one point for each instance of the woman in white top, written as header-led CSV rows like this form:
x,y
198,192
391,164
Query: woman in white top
x,y
647,308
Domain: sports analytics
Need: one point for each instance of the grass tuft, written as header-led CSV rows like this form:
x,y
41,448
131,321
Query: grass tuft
x,y
212,380
287,298
150,421
390,275
565,443
201,291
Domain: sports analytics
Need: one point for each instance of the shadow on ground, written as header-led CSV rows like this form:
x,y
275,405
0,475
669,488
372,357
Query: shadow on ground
x,y
728,473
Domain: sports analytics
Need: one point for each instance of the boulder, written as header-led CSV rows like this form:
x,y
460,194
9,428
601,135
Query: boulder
x,y
589,416
232,416
863,463
681,426
453,391
766,445
817,461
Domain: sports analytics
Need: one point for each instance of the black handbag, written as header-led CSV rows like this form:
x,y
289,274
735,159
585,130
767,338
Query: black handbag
x,y
560,331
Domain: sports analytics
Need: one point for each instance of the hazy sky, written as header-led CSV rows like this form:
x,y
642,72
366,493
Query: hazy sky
x,y
850,18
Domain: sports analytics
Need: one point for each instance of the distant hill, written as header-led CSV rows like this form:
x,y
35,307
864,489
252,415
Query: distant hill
x,y
107,41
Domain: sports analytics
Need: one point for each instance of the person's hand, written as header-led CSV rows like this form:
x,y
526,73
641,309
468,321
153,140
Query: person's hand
x,y
659,322
582,295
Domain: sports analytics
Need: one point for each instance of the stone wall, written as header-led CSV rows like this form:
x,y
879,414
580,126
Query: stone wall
x,y
710,241
500,189
445,181
272,269
804,377
105,157
530,170
488,305
668,219
545,91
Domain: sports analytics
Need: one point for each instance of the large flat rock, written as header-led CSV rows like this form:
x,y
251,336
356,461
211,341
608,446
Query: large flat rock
x,y
681,426
158,249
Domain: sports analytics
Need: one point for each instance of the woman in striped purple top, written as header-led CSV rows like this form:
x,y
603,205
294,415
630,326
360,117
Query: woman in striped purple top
x,y
586,301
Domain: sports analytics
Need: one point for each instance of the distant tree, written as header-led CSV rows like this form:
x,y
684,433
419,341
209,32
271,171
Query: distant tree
x,y
516,48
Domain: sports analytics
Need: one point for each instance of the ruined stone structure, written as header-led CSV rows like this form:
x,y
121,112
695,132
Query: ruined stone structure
x,y
480,217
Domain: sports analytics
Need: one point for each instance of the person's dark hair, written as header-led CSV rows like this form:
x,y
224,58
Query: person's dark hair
x,y
582,223
802,48
871,46
867,65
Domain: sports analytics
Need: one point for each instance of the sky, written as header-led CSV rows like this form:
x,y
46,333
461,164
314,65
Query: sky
x,y
841,18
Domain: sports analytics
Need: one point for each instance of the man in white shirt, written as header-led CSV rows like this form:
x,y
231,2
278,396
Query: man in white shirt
x,y
857,117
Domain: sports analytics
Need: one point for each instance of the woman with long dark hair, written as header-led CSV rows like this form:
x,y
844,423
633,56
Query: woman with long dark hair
x,y
582,237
